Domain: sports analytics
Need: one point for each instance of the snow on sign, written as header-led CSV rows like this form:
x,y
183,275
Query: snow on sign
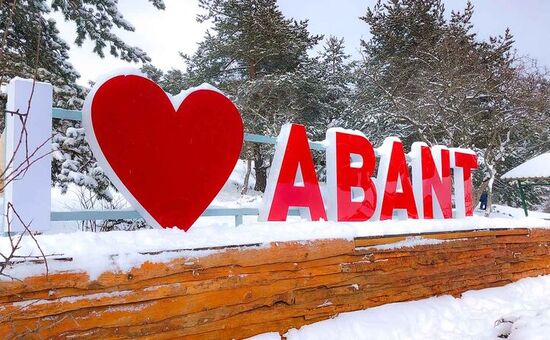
x,y
170,156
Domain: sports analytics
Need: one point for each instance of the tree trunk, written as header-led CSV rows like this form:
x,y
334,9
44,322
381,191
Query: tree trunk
x,y
260,169
252,69
244,191
492,175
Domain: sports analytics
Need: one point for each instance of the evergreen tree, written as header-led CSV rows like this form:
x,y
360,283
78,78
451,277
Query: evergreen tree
x,y
428,78
250,40
335,75
173,81
31,47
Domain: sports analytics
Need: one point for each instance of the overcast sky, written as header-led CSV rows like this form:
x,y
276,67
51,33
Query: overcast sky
x,y
162,34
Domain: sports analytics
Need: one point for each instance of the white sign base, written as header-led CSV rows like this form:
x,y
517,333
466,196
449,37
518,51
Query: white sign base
x,y
30,192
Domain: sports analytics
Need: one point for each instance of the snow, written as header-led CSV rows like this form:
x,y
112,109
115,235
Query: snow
x,y
95,253
230,195
518,310
180,97
72,299
511,212
538,167
529,324
266,336
407,243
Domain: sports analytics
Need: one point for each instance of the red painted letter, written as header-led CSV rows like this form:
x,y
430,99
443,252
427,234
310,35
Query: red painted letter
x,y
431,172
463,162
292,181
350,165
392,171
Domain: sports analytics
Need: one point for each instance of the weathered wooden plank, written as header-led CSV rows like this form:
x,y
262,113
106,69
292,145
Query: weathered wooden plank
x,y
240,292
377,240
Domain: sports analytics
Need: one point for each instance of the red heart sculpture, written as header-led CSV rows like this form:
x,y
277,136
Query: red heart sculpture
x,y
170,163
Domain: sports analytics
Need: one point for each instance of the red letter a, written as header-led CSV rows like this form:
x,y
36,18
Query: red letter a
x,y
292,181
392,171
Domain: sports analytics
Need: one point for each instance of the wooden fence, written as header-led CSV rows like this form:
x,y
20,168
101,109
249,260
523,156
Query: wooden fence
x,y
245,290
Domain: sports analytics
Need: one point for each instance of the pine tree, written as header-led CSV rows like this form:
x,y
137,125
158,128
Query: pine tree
x,y
251,43
31,47
172,81
336,77
428,78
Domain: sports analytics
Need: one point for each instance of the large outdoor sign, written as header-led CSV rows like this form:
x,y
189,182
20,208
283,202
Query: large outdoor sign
x,y
353,194
170,156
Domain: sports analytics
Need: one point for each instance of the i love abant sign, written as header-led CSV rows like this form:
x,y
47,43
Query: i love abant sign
x,y
170,156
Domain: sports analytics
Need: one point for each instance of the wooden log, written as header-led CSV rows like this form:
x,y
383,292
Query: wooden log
x,y
242,291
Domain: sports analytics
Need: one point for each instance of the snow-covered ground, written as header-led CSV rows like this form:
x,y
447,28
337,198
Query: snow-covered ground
x,y
221,231
511,212
519,310
93,252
